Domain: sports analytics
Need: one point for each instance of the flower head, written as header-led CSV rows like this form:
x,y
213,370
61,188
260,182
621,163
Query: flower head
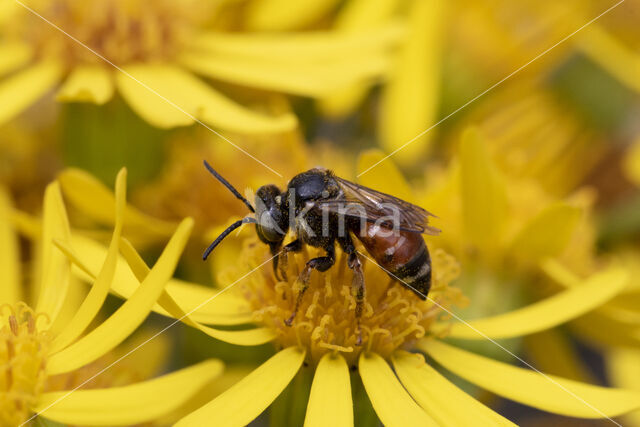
x,y
394,318
49,352
150,53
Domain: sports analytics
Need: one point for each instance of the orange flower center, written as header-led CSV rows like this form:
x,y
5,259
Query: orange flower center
x,y
394,317
122,31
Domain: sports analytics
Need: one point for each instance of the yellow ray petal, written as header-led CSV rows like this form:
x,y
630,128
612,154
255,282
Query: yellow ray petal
x,y
354,17
483,192
311,79
384,177
132,404
130,315
13,56
331,388
550,312
623,63
440,397
54,279
100,289
225,309
282,15
547,234
390,400
255,336
11,288
309,47
546,392
96,201
189,94
245,400
631,162
410,98
623,367
552,351
87,84
24,88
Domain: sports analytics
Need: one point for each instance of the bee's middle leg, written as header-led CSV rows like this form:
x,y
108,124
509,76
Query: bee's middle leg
x,y
321,264
358,281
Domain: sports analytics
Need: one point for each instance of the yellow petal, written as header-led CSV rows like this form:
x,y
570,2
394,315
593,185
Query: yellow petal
x,y
623,63
24,88
483,192
547,234
87,84
548,313
631,163
225,309
623,367
132,404
546,392
167,96
411,97
129,316
331,388
54,280
11,288
385,176
245,400
255,336
440,397
100,289
295,49
282,15
354,17
13,56
311,79
390,400
97,202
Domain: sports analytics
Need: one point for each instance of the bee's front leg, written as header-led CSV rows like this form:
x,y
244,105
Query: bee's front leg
x,y
295,246
321,264
358,281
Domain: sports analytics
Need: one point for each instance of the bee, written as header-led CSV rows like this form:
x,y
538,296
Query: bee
x,y
322,209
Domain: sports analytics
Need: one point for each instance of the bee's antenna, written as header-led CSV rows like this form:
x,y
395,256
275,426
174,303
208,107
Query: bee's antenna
x,y
225,233
229,186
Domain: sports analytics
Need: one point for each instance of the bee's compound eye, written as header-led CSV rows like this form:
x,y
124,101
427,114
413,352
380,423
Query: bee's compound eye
x,y
268,228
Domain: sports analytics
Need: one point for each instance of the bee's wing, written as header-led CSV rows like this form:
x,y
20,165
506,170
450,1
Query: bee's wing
x,y
362,202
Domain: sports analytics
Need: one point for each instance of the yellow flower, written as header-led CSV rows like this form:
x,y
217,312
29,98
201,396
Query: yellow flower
x,y
410,98
151,53
322,340
631,164
48,349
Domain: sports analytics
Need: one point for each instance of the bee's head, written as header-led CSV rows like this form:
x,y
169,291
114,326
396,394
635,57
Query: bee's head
x,y
272,217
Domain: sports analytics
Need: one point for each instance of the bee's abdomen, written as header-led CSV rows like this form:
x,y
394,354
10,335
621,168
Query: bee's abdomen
x,y
403,255
416,274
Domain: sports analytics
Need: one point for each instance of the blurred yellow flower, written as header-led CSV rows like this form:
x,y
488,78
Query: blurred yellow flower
x,y
43,351
151,53
631,163
321,341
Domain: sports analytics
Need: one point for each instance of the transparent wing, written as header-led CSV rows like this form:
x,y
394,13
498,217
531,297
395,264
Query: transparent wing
x,y
362,202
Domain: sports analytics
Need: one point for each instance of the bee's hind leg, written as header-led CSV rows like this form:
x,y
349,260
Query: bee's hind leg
x,y
322,264
358,281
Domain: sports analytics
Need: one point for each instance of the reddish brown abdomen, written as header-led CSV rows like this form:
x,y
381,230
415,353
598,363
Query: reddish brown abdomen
x,y
403,254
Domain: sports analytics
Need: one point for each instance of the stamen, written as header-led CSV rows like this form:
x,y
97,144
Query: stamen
x,y
393,316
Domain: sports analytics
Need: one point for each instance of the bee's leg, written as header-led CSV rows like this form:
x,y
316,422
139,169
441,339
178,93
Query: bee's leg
x,y
275,252
358,280
295,246
322,264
